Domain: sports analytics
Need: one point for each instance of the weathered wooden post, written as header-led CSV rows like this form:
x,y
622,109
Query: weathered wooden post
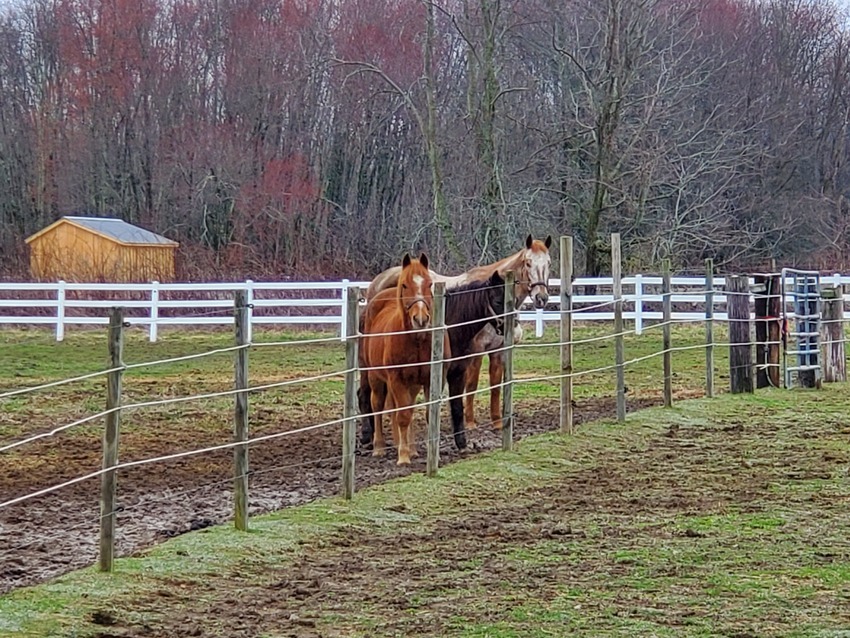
x,y
740,349
508,389
110,439
768,306
567,334
619,344
350,408
709,328
438,336
240,413
667,318
832,334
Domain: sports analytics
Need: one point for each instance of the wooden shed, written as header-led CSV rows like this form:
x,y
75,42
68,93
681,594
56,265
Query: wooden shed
x,y
86,249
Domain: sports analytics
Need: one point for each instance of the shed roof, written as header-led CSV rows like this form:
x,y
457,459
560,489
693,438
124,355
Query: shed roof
x,y
112,228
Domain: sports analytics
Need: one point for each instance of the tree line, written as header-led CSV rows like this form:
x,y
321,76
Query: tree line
x,y
278,138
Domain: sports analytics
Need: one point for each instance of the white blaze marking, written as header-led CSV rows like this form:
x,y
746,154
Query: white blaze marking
x,y
539,271
418,280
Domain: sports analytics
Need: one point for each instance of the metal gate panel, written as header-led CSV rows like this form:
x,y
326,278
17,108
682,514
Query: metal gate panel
x,y
801,303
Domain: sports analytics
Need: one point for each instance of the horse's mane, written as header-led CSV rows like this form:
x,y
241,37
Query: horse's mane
x,y
468,303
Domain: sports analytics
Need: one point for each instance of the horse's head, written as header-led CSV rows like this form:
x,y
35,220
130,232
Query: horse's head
x,y
414,292
534,270
496,300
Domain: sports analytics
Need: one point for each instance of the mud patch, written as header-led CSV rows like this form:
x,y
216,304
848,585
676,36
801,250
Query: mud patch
x,y
56,533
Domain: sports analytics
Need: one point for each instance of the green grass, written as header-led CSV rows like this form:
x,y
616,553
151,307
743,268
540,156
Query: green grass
x,y
32,357
699,520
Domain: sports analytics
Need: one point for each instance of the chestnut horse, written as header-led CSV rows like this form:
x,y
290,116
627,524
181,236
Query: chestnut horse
x,y
468,309
401,338
532,265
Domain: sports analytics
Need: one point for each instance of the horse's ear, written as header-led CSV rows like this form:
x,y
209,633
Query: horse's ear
x,y
406,261
528,241
548,241
423,259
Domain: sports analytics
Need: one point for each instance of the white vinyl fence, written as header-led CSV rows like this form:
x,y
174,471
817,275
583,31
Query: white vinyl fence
x,y
314,303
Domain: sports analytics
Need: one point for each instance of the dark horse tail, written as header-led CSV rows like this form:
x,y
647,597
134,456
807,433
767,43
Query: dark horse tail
x,y
364,402
367,421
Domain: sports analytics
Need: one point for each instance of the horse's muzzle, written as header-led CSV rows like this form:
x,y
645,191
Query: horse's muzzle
x,y
540,300
420,322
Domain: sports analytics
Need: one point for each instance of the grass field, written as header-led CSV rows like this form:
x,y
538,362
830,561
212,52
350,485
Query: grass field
x,y
31,357
723,517
719,517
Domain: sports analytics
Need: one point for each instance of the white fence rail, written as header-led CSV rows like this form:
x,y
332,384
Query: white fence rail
x,y
314,303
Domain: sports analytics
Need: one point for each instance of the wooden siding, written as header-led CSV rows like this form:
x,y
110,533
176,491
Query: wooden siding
x,y
73,253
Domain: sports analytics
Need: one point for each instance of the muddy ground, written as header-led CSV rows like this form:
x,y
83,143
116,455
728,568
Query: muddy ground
x,y
53,534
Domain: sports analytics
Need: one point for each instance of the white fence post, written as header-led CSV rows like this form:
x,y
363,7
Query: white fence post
x,y
343,315
638,304
249,299
538,323
152,330
60,311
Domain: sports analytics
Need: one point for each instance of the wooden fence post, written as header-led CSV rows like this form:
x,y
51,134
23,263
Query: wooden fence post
x,y
832,335
240,412
619,347
567,334
350,409
767,310
508,358
740,349
110,439
709,328
667,312
438,337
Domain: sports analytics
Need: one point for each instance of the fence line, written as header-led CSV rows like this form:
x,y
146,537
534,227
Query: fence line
x,y
305,429
386,411
315,303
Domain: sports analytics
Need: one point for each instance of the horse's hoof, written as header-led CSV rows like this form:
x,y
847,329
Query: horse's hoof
x,y
460,441
471,425
402,461
379,452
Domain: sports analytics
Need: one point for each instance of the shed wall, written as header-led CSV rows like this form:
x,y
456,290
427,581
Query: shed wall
x,y
76,254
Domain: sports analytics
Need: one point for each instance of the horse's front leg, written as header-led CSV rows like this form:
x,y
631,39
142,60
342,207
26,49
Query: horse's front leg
x,y
426,390
402,397
473,372
497,373
378,400
457,382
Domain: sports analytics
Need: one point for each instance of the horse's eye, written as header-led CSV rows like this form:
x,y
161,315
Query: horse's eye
x,y
528,263
404,286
